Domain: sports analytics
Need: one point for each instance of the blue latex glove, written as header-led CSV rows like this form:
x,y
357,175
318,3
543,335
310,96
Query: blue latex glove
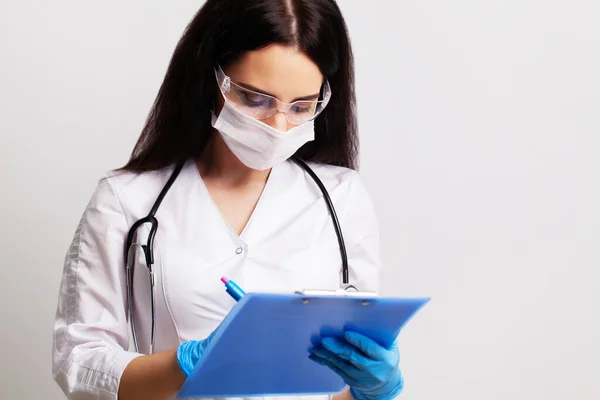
x,y
188,353
370,370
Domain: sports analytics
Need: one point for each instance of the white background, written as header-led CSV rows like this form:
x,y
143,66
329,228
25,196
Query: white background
x,y
480,138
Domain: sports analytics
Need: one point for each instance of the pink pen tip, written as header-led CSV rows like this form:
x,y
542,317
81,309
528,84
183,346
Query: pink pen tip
x,y
224,280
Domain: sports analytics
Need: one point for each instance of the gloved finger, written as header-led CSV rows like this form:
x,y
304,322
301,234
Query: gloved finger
x,y
322,352
340,372
367,345
333,359
346,351
317,359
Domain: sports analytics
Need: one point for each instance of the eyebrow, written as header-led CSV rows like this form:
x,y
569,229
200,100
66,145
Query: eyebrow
x,y
255,89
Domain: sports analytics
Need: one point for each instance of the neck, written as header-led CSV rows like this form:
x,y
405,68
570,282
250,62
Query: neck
x,y
218,162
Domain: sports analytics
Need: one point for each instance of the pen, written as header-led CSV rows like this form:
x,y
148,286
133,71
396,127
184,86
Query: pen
x,y
233,289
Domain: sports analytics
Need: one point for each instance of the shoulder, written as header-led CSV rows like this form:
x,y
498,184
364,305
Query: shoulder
x,y
335,172
344,185
132,181
134,192
333,177
348,178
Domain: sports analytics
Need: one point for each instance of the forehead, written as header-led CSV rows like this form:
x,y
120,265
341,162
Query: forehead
x,y
281,71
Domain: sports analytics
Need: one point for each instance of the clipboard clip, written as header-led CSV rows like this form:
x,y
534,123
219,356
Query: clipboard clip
x,y
337,292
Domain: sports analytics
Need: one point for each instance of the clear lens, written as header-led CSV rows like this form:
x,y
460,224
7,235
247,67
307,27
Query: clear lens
x,y
262,106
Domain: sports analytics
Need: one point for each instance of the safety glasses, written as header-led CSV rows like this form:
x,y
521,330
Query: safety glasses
x,y
262,106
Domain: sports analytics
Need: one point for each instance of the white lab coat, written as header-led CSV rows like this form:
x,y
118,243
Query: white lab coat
x,y
288,244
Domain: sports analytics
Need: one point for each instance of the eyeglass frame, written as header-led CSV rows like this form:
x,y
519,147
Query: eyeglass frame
x,y
325,92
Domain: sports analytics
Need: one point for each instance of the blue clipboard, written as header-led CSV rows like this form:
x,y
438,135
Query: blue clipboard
x,y
261,347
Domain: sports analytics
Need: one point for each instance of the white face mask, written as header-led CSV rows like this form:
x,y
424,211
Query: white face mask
x,y
256,144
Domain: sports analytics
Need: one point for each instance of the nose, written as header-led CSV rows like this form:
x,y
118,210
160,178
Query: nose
x,y
279,121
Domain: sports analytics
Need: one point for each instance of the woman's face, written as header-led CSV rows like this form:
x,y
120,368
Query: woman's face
x,y
279,71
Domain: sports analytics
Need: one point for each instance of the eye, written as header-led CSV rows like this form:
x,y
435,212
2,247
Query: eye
x,y
252,99
304,107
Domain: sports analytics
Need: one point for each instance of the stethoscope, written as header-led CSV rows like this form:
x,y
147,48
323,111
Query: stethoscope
x,y
148,248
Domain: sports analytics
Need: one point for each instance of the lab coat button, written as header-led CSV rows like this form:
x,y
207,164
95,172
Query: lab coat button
x,y
239,250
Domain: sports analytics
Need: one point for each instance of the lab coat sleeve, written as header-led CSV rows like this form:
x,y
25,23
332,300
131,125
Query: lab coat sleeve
x,y
90,331
362,228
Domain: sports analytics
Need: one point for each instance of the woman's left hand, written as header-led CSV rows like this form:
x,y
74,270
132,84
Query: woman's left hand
x,y
370,370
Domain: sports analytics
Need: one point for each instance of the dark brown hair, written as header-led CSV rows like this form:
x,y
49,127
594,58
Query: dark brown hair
x,y
179,122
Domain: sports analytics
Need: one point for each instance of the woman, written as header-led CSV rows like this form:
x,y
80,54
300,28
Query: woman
x,y
250,84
